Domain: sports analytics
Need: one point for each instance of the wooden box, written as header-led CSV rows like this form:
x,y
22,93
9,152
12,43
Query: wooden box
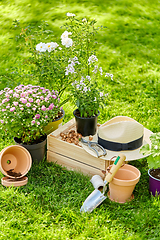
x,y
71,156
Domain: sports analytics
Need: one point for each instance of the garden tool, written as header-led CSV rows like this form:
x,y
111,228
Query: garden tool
x,y
100,151
97,197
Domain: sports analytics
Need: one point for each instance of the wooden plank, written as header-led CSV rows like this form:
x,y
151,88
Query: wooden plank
x,y
71,164
75,152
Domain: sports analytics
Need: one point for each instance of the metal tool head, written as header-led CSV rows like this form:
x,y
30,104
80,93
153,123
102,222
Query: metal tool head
x,y
93,201
98,149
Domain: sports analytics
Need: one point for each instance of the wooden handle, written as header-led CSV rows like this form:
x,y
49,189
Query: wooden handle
x,y
116,165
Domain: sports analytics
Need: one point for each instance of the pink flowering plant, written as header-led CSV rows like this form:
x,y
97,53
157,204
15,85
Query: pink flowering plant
x,y
26,110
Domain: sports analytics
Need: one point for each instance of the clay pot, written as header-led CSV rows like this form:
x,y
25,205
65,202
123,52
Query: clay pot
x,y
15,162
123,184
86,126
52,126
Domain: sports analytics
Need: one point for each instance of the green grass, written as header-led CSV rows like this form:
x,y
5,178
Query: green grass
x,y
48,207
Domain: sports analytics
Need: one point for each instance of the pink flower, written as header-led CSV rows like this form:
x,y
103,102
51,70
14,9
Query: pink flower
x,y
30,99
15,103
21,108
30,91
38,123
37,101
28,104
4,100
46,116
33,122
44,91
10,91
23,94
46,99
3,110
12,109
54,96
37,116
16,95
51,106
43,108
42,98
2,121
23,100
34,108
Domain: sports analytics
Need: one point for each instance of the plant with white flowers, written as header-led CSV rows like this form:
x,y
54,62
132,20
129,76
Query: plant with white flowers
x,y
26,110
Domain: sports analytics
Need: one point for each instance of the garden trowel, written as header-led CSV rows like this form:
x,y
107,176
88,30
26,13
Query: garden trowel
x,y
97,197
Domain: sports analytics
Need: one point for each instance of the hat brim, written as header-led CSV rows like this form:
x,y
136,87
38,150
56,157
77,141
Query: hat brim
x,y
130,155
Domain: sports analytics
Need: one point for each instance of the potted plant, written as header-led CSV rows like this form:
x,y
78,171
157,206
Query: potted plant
x,y
85,73
25,111
153,163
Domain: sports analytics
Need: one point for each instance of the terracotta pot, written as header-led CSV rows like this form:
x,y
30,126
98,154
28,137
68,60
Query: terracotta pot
x,y
86,126
15,161
154,184
52,126
123,184
37,151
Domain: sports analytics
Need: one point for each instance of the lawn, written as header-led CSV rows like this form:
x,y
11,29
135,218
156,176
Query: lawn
x,y
48,207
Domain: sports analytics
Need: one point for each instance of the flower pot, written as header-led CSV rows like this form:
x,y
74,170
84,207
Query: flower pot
x,y
123,184
86,126
15,162
154,183
37,151
52,126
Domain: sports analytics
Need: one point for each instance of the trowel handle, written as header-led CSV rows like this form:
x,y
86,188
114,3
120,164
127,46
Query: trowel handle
x,y
116,165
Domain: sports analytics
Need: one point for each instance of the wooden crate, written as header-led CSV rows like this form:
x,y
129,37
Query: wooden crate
x,y
72,156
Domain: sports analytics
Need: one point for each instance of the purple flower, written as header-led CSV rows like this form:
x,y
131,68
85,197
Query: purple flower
x,y
43,108
12,109
37,116
54,96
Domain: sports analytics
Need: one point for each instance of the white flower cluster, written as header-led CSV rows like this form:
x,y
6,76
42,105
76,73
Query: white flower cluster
x,y
66,41
70,68
43,47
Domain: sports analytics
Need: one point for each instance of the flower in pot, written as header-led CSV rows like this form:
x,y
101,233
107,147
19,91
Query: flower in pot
x,y
153,163
26,110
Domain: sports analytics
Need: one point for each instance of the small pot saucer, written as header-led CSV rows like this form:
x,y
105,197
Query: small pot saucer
x,y
130,199
7,182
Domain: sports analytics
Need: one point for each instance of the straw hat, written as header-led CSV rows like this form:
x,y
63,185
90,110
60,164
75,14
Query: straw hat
x,y
121,134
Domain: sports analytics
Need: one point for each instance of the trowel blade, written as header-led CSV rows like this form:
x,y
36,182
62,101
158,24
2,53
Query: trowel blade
x,y
93,201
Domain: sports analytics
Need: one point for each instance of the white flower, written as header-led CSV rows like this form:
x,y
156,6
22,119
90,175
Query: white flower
x,y
88,78
156,147
85,89
67,42
41,47
65,34
95,69
70,14
101,94
101,71
92,59
51,46
84,20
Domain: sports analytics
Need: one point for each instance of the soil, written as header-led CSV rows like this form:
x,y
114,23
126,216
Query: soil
x,y
13,174
60,114
41,139
155,173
